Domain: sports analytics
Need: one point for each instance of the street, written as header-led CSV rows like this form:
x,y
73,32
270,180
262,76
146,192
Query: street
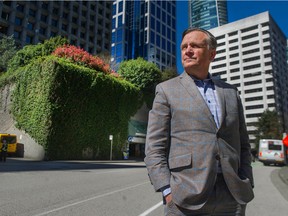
x,y
117,188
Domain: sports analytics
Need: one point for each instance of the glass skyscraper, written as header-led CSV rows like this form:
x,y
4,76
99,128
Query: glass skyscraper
x,y
144,28
207,14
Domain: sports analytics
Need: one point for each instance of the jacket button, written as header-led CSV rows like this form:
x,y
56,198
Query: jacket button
x,y
217,157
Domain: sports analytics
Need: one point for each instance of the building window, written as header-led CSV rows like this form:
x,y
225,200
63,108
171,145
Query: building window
x,y
254,98
250,36
75,8
44,5
233,41
120,7
18,21
252,66
256,115
233,48
74,20
234,70
42,31
251,51
119,21
74,31
20,7
250,44
53,34
30,26
253,90
29,39
65,15
234,55
5,16
251,59
43,18
249,29
235,78
4,30
32,12
17,35
54,22
55,11
64,27
253,82
234,62
252,74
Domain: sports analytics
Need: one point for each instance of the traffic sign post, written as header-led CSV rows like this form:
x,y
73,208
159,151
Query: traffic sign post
x,y
111,139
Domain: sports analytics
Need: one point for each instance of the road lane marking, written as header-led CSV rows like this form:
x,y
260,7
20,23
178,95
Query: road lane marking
x,y
148,211
89,199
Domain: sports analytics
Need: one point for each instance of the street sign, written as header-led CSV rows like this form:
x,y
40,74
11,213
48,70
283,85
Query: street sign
x,y
285,141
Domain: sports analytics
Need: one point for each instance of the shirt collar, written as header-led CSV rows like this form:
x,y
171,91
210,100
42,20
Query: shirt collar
x,y
207,80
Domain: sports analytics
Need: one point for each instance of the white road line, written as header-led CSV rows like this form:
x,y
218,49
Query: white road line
x,y
151,209
92,198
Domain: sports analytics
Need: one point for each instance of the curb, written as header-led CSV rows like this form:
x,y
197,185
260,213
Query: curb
x,y
283,174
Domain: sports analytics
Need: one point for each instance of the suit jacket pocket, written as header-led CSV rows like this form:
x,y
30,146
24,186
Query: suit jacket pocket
x,y
180,162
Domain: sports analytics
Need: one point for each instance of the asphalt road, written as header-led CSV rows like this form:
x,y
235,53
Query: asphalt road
x,y
93,188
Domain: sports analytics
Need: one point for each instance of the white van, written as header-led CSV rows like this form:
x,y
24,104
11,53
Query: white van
x,y
272,152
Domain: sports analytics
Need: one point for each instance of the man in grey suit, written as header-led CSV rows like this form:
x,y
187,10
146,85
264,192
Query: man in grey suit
x,y
197,146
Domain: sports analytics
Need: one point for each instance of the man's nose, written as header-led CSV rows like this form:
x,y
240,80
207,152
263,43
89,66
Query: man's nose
x,y
189,49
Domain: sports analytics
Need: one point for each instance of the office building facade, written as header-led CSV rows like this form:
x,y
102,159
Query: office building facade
x,y
251,55
86,24
207,14
144,28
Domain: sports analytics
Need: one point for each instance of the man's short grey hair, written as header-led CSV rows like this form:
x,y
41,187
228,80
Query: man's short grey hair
x,y
211,40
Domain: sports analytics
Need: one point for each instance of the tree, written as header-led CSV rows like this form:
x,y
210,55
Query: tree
x,y
268,126
169,73
7,51
141,73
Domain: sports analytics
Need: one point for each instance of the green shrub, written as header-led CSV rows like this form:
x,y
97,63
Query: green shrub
x,y
68,108
32,52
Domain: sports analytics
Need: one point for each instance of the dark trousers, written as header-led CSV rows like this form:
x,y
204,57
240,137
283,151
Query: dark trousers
x,y
3,156
220,203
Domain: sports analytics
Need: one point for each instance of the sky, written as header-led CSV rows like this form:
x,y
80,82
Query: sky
x,y
236,10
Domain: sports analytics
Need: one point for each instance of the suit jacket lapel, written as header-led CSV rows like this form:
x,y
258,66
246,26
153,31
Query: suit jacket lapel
x,y
192,89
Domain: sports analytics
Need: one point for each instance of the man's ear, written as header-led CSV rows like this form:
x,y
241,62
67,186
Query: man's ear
x,y
212,55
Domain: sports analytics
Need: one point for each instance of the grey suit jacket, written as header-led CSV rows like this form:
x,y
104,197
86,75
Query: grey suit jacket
x,y
183,143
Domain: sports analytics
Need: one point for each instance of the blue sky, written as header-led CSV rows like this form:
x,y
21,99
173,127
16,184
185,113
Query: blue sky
x,y
236,10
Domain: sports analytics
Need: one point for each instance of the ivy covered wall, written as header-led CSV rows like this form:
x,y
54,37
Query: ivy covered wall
x,y
71,110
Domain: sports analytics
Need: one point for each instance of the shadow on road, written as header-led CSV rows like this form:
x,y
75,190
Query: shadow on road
x,y
24,165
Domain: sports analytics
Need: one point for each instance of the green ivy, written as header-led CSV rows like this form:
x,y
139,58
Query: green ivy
x,y
69,108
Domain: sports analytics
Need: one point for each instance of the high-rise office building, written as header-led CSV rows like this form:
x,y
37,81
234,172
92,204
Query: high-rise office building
x,y
85,23
144,28
251,55
207,14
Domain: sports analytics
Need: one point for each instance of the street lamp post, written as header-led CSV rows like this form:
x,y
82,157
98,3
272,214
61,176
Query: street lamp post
x,y
111,139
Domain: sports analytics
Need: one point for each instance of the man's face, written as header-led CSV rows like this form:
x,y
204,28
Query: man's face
x,y
195,53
